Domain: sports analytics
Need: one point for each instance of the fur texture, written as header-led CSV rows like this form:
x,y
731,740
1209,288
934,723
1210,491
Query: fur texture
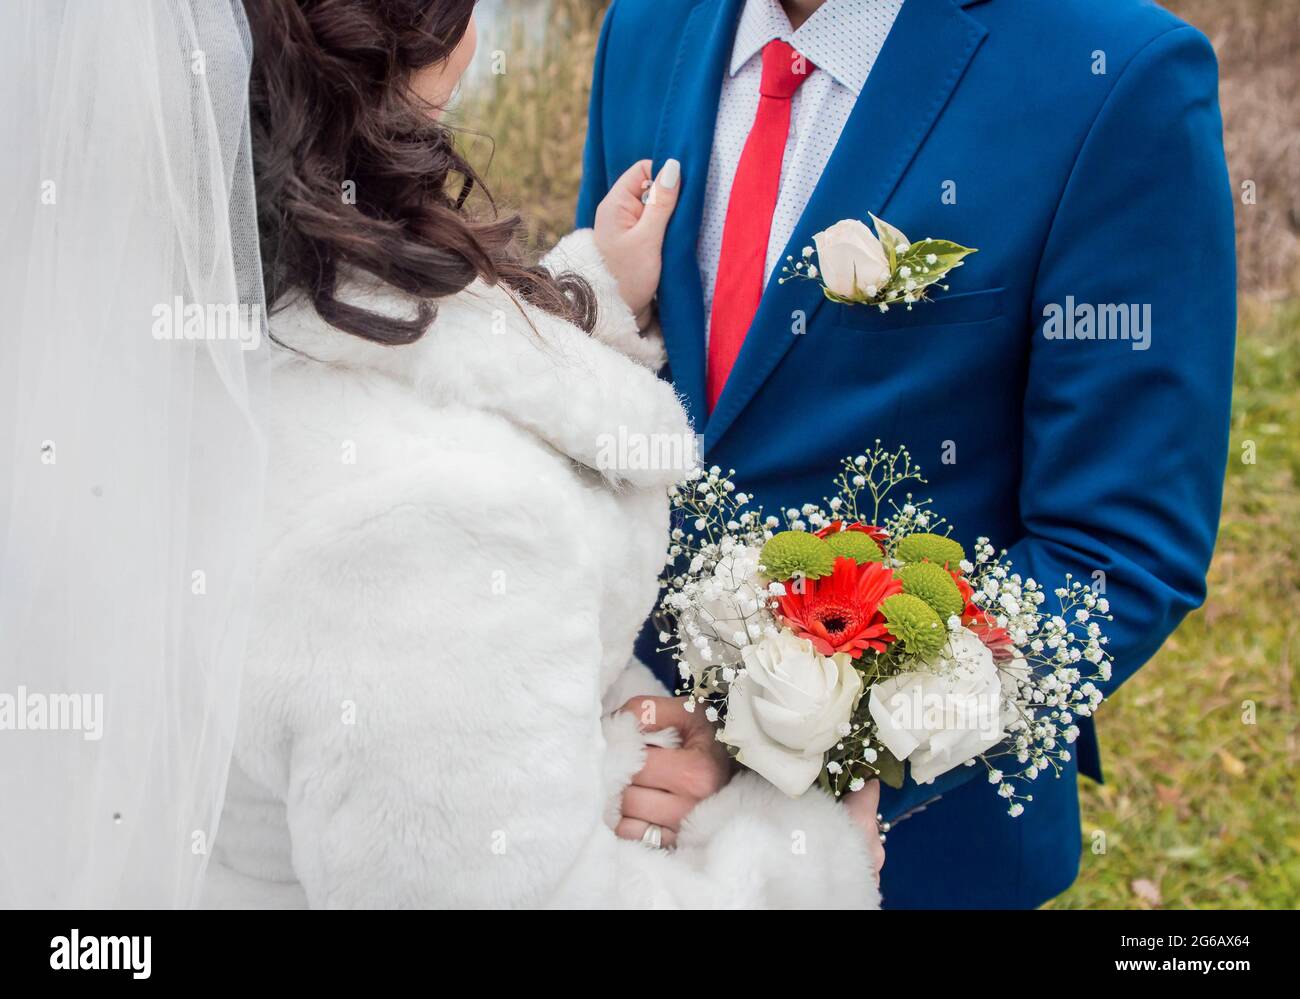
x,y
449,588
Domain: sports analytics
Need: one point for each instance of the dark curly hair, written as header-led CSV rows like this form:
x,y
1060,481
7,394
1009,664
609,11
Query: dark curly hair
x,y
331,103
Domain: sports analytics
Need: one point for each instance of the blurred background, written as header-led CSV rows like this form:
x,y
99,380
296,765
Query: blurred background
x,y
1200,805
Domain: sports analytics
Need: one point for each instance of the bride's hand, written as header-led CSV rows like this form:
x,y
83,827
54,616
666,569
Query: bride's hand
x,y
673,781
630,233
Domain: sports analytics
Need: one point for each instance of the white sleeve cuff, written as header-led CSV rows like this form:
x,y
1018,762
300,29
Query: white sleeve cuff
x,y
615,324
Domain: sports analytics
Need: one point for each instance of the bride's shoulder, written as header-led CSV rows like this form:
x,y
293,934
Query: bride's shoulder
x,y
348,444
538,383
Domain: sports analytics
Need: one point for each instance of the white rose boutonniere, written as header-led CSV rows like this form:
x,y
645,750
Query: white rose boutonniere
x,y
858,267
853,263
788,707
946,714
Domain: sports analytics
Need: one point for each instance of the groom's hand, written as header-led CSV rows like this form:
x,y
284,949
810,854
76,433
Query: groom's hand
x,y
862,806
630,231
673,781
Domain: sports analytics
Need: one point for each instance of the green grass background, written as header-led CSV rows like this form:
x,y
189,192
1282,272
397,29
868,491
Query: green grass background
x,y
1199,808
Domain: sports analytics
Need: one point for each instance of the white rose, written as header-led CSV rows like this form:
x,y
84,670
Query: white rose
x,y
787,708
851,259
736,597
941,717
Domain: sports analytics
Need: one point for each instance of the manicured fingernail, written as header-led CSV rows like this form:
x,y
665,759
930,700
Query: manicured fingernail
x,y
670,175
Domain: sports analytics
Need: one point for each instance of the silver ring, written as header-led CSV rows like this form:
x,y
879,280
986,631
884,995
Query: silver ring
x,y
653,836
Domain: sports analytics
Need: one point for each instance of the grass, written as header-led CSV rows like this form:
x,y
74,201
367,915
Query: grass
x,y
534,113
528,128
1199,808
1200,805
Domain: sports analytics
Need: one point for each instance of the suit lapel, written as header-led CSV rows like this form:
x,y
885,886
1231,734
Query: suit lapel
x,y
686,132
919,67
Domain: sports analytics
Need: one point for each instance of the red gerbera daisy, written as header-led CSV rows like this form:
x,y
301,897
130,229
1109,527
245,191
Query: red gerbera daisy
x,y
841,612
983,624
877,534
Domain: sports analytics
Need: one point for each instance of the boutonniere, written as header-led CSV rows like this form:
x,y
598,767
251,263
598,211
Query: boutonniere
x,y
855,266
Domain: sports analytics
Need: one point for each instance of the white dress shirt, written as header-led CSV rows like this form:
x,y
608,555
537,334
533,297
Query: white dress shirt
x,y
842,39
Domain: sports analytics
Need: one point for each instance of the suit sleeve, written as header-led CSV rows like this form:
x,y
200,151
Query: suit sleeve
x,y
595,180
1125,441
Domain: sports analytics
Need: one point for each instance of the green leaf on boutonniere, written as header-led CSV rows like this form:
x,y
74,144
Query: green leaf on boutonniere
x,y
891,239
930,259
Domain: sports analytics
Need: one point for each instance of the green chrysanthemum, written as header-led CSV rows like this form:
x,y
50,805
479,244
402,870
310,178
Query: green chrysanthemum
x,y
915,624
931,548
791,553
934,585
854,545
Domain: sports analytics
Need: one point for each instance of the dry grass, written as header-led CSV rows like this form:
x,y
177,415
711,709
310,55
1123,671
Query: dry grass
x,y
1258,42
530,122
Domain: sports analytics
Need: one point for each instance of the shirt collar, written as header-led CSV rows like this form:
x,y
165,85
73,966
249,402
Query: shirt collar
x,y
837,38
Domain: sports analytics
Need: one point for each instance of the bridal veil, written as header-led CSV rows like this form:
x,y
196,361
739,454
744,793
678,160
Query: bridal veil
x,y
132,406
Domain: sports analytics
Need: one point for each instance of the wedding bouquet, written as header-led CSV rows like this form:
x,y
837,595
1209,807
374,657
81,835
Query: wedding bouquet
x,y
861,636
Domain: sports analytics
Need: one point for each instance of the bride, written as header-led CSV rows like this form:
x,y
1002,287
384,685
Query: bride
x,y
450,570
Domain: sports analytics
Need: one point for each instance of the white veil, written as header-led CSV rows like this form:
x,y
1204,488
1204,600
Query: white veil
x,y
131,441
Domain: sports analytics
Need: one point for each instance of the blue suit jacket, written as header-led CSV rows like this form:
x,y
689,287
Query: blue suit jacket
x,y
1078,145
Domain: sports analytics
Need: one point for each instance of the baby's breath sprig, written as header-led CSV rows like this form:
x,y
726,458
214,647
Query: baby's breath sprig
x,y
877,473
708,509
1052,680
714,522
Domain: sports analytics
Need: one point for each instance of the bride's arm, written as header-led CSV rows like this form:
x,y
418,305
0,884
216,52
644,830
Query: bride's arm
x,y
438,708
616,326
621,258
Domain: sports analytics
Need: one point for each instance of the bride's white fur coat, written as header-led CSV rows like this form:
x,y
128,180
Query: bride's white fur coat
x,y
448,593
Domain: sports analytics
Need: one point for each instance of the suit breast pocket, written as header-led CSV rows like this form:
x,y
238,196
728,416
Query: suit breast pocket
x,y
944,310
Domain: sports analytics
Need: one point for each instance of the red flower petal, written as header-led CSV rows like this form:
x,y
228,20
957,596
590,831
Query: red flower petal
x,y
841,612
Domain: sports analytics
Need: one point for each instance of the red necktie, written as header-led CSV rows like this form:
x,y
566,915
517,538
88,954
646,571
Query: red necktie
x,y
749,213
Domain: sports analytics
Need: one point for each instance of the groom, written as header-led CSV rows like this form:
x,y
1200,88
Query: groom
x,y
1068,396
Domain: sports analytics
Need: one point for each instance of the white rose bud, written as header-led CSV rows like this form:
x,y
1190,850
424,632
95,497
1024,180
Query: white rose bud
x,y
851,259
